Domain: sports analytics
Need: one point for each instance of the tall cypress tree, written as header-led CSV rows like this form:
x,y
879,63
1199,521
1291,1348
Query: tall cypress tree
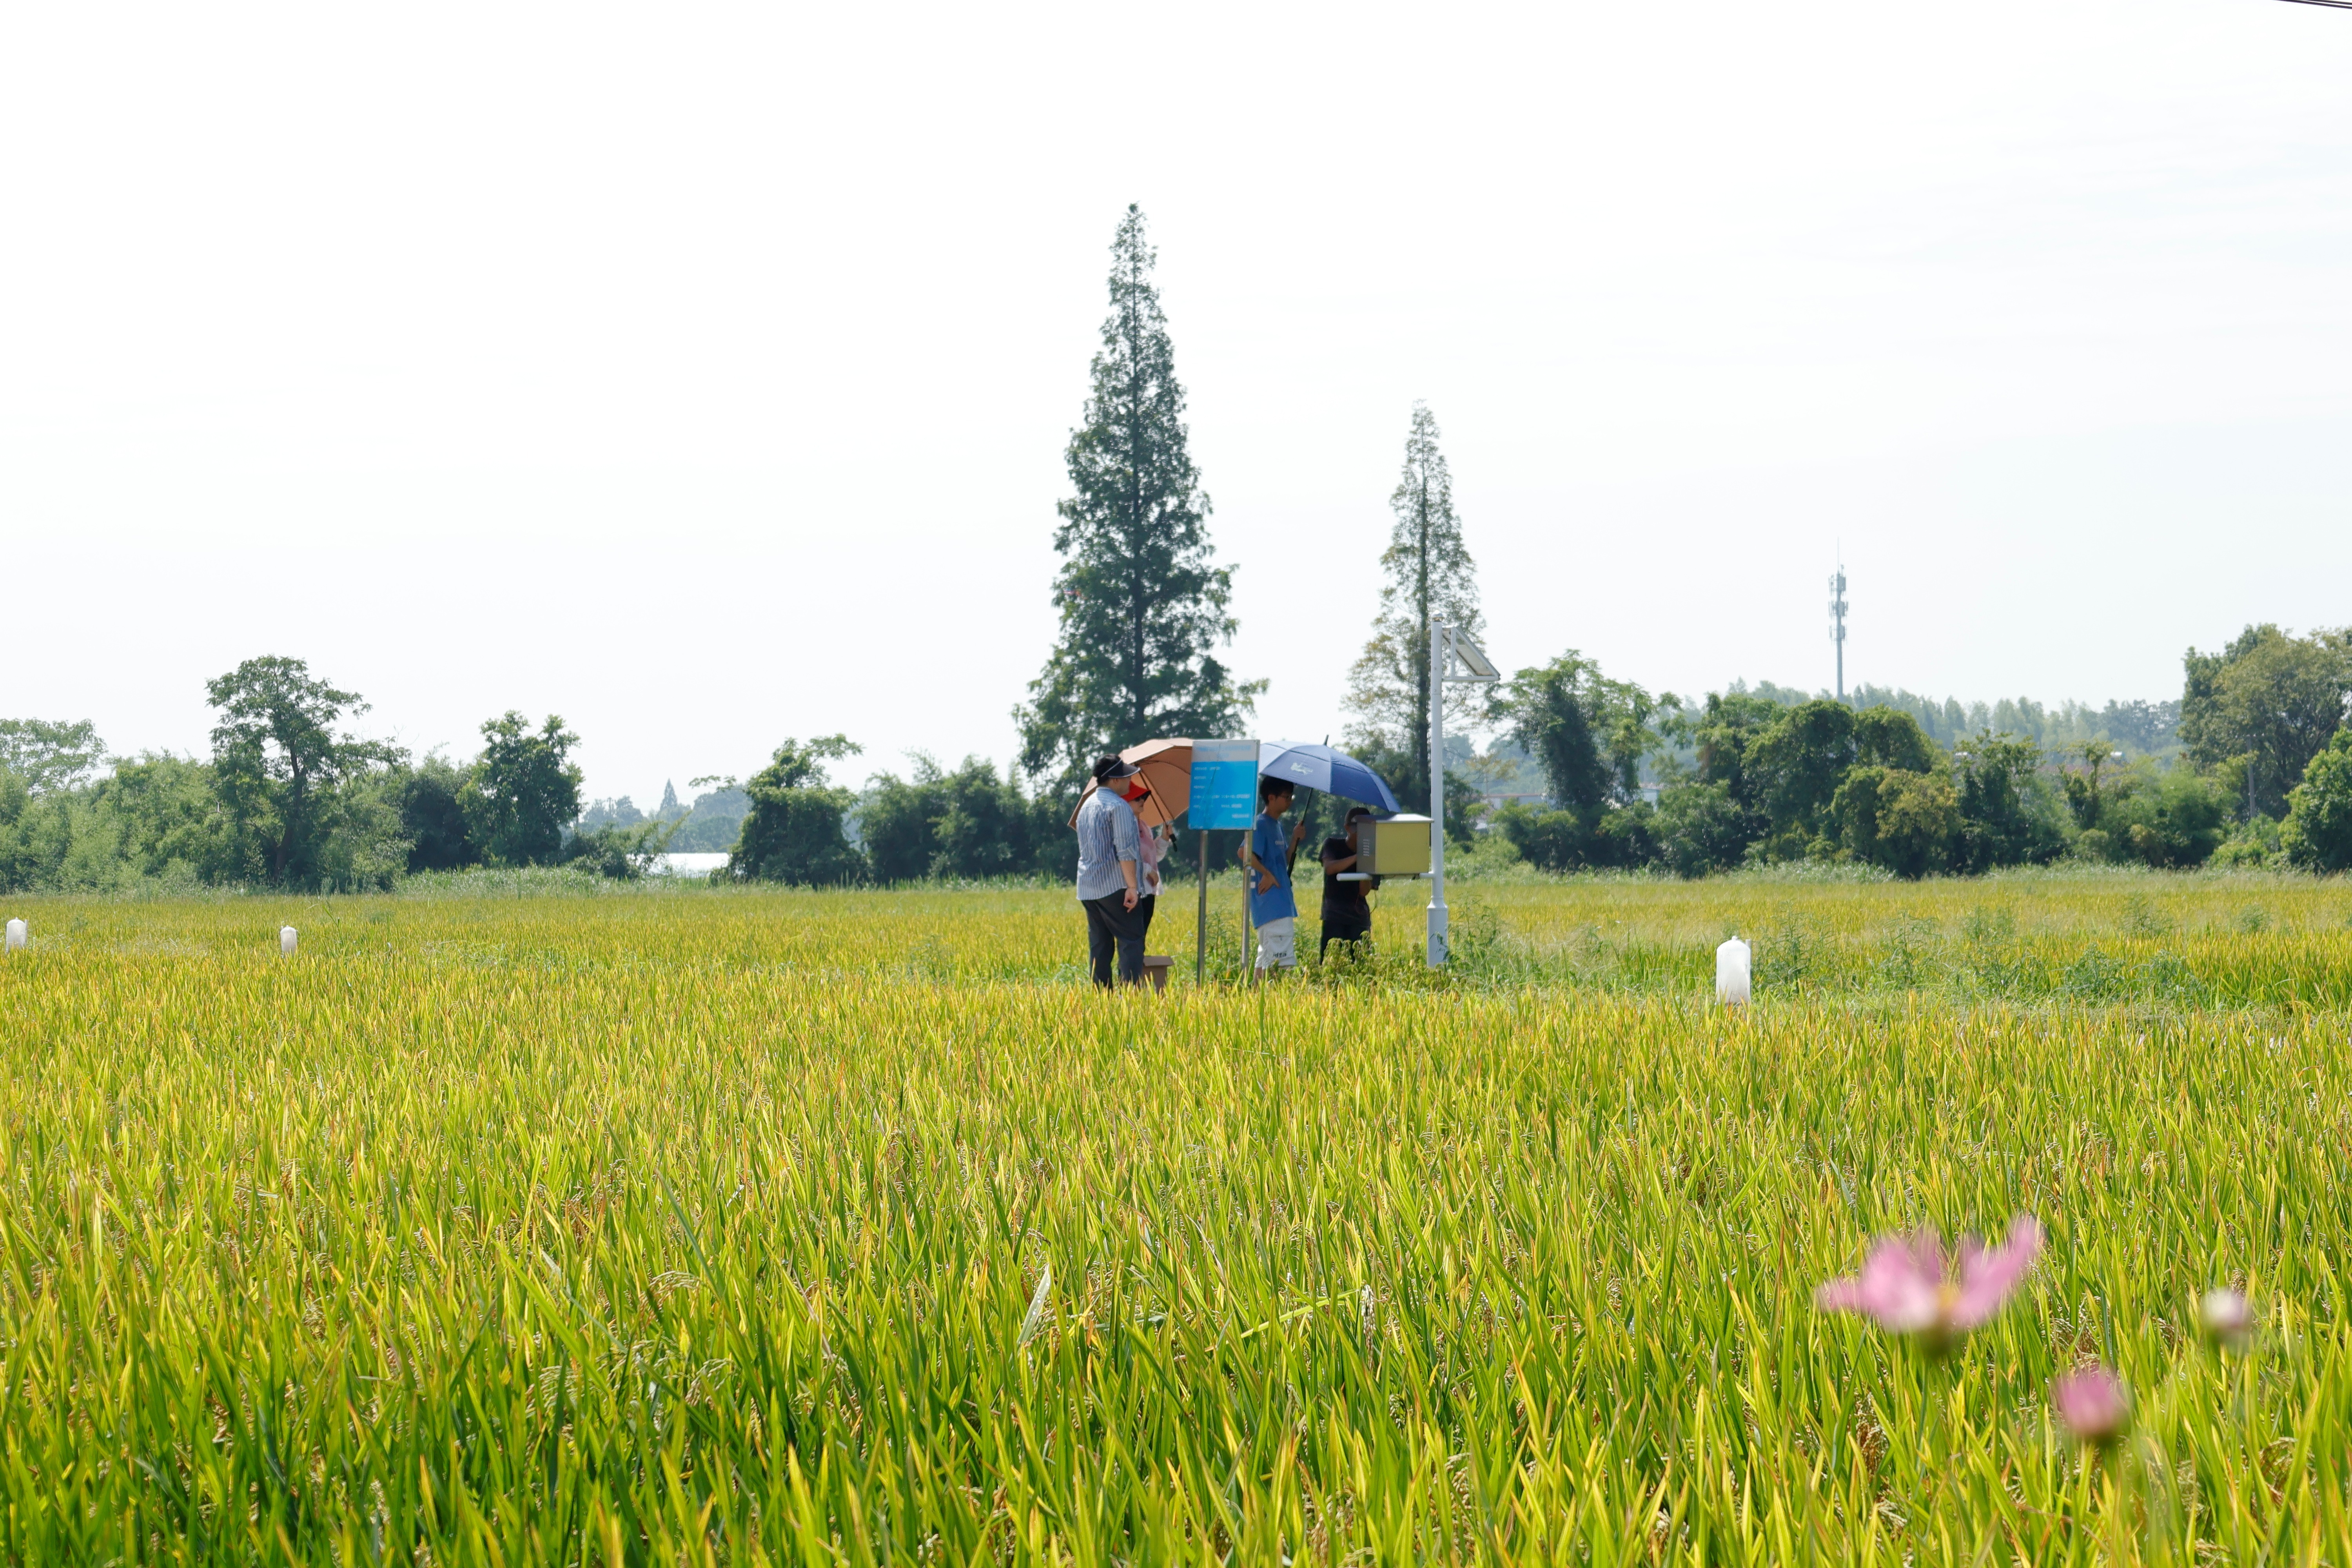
x,y
1142,601
1430,576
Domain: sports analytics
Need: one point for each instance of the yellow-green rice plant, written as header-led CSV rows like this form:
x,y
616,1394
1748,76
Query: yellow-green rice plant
x,y
684,1228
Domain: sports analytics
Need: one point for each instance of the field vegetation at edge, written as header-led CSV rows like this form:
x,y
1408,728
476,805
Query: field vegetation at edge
x,y
500,1225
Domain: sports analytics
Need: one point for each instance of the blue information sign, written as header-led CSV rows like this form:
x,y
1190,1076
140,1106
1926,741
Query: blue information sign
x,y
1224,784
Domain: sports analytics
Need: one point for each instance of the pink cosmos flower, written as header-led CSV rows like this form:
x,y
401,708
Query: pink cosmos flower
x,y
2227,1317
2093,1404
1904,1289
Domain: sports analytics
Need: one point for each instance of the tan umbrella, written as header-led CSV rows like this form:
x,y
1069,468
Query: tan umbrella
x,y
1167,768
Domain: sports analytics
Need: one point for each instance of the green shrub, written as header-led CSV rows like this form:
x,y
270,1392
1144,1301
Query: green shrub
x,y
793,833
2318,831
2169,820
1907,822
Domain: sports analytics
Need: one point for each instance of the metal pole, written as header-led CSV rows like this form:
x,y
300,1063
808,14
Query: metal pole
x,y
1837,624
1249,880
1200,952
1436,958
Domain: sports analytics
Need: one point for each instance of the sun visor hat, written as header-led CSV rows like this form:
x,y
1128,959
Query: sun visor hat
x,y
1114,768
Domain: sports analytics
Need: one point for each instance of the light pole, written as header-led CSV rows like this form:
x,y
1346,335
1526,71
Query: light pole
x,y
1449,652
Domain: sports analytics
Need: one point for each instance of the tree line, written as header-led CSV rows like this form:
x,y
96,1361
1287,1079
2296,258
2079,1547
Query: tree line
x,y
2251,765
709,823
1739,778
1745,779
289,797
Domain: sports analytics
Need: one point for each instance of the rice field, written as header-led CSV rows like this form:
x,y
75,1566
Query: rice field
x,y
513,1225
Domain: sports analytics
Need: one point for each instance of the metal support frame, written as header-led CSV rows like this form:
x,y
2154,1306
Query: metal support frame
x,y
1201,924
1454,659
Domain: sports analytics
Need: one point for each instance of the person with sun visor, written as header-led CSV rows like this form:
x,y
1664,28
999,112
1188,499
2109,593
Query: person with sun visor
x,y
1110,853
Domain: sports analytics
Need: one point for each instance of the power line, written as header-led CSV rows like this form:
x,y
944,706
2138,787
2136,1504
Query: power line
x,y
2335,5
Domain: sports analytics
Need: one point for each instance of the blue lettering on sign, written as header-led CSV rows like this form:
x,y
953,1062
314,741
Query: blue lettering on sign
x,y
1224,784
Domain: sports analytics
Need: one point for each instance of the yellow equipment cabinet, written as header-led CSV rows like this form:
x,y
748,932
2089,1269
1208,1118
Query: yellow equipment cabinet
x,y
1393,846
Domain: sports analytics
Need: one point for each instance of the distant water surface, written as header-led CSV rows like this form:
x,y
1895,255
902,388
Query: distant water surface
x,y
688,863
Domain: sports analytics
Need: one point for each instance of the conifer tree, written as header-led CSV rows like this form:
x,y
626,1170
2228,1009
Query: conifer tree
x,y
1142,598
1430,576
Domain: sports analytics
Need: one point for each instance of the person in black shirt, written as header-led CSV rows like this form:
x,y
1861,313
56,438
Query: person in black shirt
x,y
1347,913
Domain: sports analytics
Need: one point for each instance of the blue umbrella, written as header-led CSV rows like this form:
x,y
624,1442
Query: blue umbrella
x,y
1321,767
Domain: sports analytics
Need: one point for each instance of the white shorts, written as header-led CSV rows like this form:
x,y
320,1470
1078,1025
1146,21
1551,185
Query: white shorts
x,y
1277,943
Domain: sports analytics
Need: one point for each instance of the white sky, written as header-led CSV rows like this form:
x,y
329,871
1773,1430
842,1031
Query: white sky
x,y
703,374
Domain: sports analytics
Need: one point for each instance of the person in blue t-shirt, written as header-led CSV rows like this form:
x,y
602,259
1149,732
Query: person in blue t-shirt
x,y
1272,908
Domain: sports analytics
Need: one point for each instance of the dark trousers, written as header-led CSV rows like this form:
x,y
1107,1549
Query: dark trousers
x,y
1351,923
1110,923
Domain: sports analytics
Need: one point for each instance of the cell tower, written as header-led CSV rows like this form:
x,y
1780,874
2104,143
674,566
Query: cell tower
x,y
1837,624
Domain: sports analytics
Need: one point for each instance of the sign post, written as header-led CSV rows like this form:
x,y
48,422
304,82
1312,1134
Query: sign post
x,y
1224,795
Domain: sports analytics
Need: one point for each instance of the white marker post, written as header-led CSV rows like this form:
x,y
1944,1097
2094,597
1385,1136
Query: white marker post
x,y
1731,974
286,940
1449,651
16,935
